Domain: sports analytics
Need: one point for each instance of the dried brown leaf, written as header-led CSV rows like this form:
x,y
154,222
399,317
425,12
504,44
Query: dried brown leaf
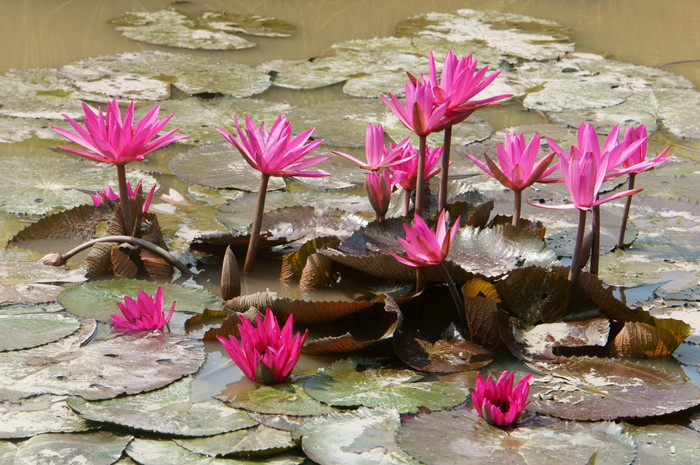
x,y
658,338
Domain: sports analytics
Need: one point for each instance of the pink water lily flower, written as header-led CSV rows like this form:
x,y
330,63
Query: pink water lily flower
x,y
420,113
109,138
637,163
379,185
144,314
425,247
499,403
276,152
406,172
108,194
377,155
265,353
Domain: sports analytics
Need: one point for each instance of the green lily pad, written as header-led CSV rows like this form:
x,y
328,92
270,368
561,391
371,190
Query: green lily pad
x,y
22,331
667,444
157,452
259,440
198,118
460,436
678,110
167,411
347,383
99,370
356,437
98,299
606,389
38,415
276,399
32,282
100,448
190,73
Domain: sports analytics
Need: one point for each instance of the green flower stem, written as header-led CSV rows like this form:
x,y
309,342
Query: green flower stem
x,y
124,200
455,294
575,259
420,178
257,223
625,214
595,243
444,170
517,202
131,240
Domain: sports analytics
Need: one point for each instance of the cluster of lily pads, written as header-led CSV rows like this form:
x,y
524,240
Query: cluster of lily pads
x,y
513,296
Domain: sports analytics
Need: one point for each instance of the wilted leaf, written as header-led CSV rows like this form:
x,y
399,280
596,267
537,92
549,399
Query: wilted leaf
x,y
606,389
99,370
657,338
259,440
21,331
347,384
100,448
98,299
460,436
353,438
37,415
293,263
169,410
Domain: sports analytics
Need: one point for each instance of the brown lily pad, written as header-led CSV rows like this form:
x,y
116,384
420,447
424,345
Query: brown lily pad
x,y
592,389
657,338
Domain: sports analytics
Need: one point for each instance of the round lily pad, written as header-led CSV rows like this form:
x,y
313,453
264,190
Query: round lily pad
x,y
667,444
169,410
259,440
100,448
21,331
37,415
98,299
347,383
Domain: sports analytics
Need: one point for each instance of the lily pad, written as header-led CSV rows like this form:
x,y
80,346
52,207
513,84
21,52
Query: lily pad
x,y
460,436
347,384
667,444
169,410
259,440
32,282
254,25
357,437
98,299
158,452
38,415
101,369
605,389
22,331
100,448
191,74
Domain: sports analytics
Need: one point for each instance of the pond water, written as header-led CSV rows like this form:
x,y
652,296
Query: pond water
x,y
659,272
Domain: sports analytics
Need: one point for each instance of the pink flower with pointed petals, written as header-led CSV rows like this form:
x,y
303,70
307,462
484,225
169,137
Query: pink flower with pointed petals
x,y
583,175
379,185
109,138
276,152
425,247
421,113
517,166
459,82
144,314
406,172
108,194
377,155
499,403
637,162
265,353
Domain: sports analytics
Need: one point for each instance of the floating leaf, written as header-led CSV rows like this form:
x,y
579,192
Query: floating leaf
x,y
158,452
100,448
31,282
603,389
347,383
254,25
98,299
22,331
169,410
667,444
100,370
482,319
441,356
37,415
657,338
259,440
357,437
277,399
460,436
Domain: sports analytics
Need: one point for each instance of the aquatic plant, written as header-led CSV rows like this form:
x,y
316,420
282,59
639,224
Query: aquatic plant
x,y
265,353
273,153
376,152
499,403
379,185
108,194
407,171
109,138
516,168
144,314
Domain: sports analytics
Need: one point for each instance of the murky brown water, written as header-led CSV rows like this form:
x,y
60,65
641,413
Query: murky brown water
x,y
51,33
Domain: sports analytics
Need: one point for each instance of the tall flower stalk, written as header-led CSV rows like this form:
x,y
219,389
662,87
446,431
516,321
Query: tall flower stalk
x,y
109,138
406,172
273,153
